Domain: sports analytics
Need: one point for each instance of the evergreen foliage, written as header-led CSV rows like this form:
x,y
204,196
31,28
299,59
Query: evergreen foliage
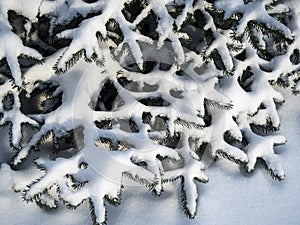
x,y
148,87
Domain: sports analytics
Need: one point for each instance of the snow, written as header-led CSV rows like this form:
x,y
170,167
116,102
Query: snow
x,y
231,196
231,107
252,11
84,37
8,38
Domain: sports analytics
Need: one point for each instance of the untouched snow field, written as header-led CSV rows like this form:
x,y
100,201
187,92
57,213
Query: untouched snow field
x,y
231,197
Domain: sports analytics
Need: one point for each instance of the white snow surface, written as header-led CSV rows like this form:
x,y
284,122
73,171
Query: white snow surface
x,y
231,196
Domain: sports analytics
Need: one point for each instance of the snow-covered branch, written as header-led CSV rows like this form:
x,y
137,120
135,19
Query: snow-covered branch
x,y
148,90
